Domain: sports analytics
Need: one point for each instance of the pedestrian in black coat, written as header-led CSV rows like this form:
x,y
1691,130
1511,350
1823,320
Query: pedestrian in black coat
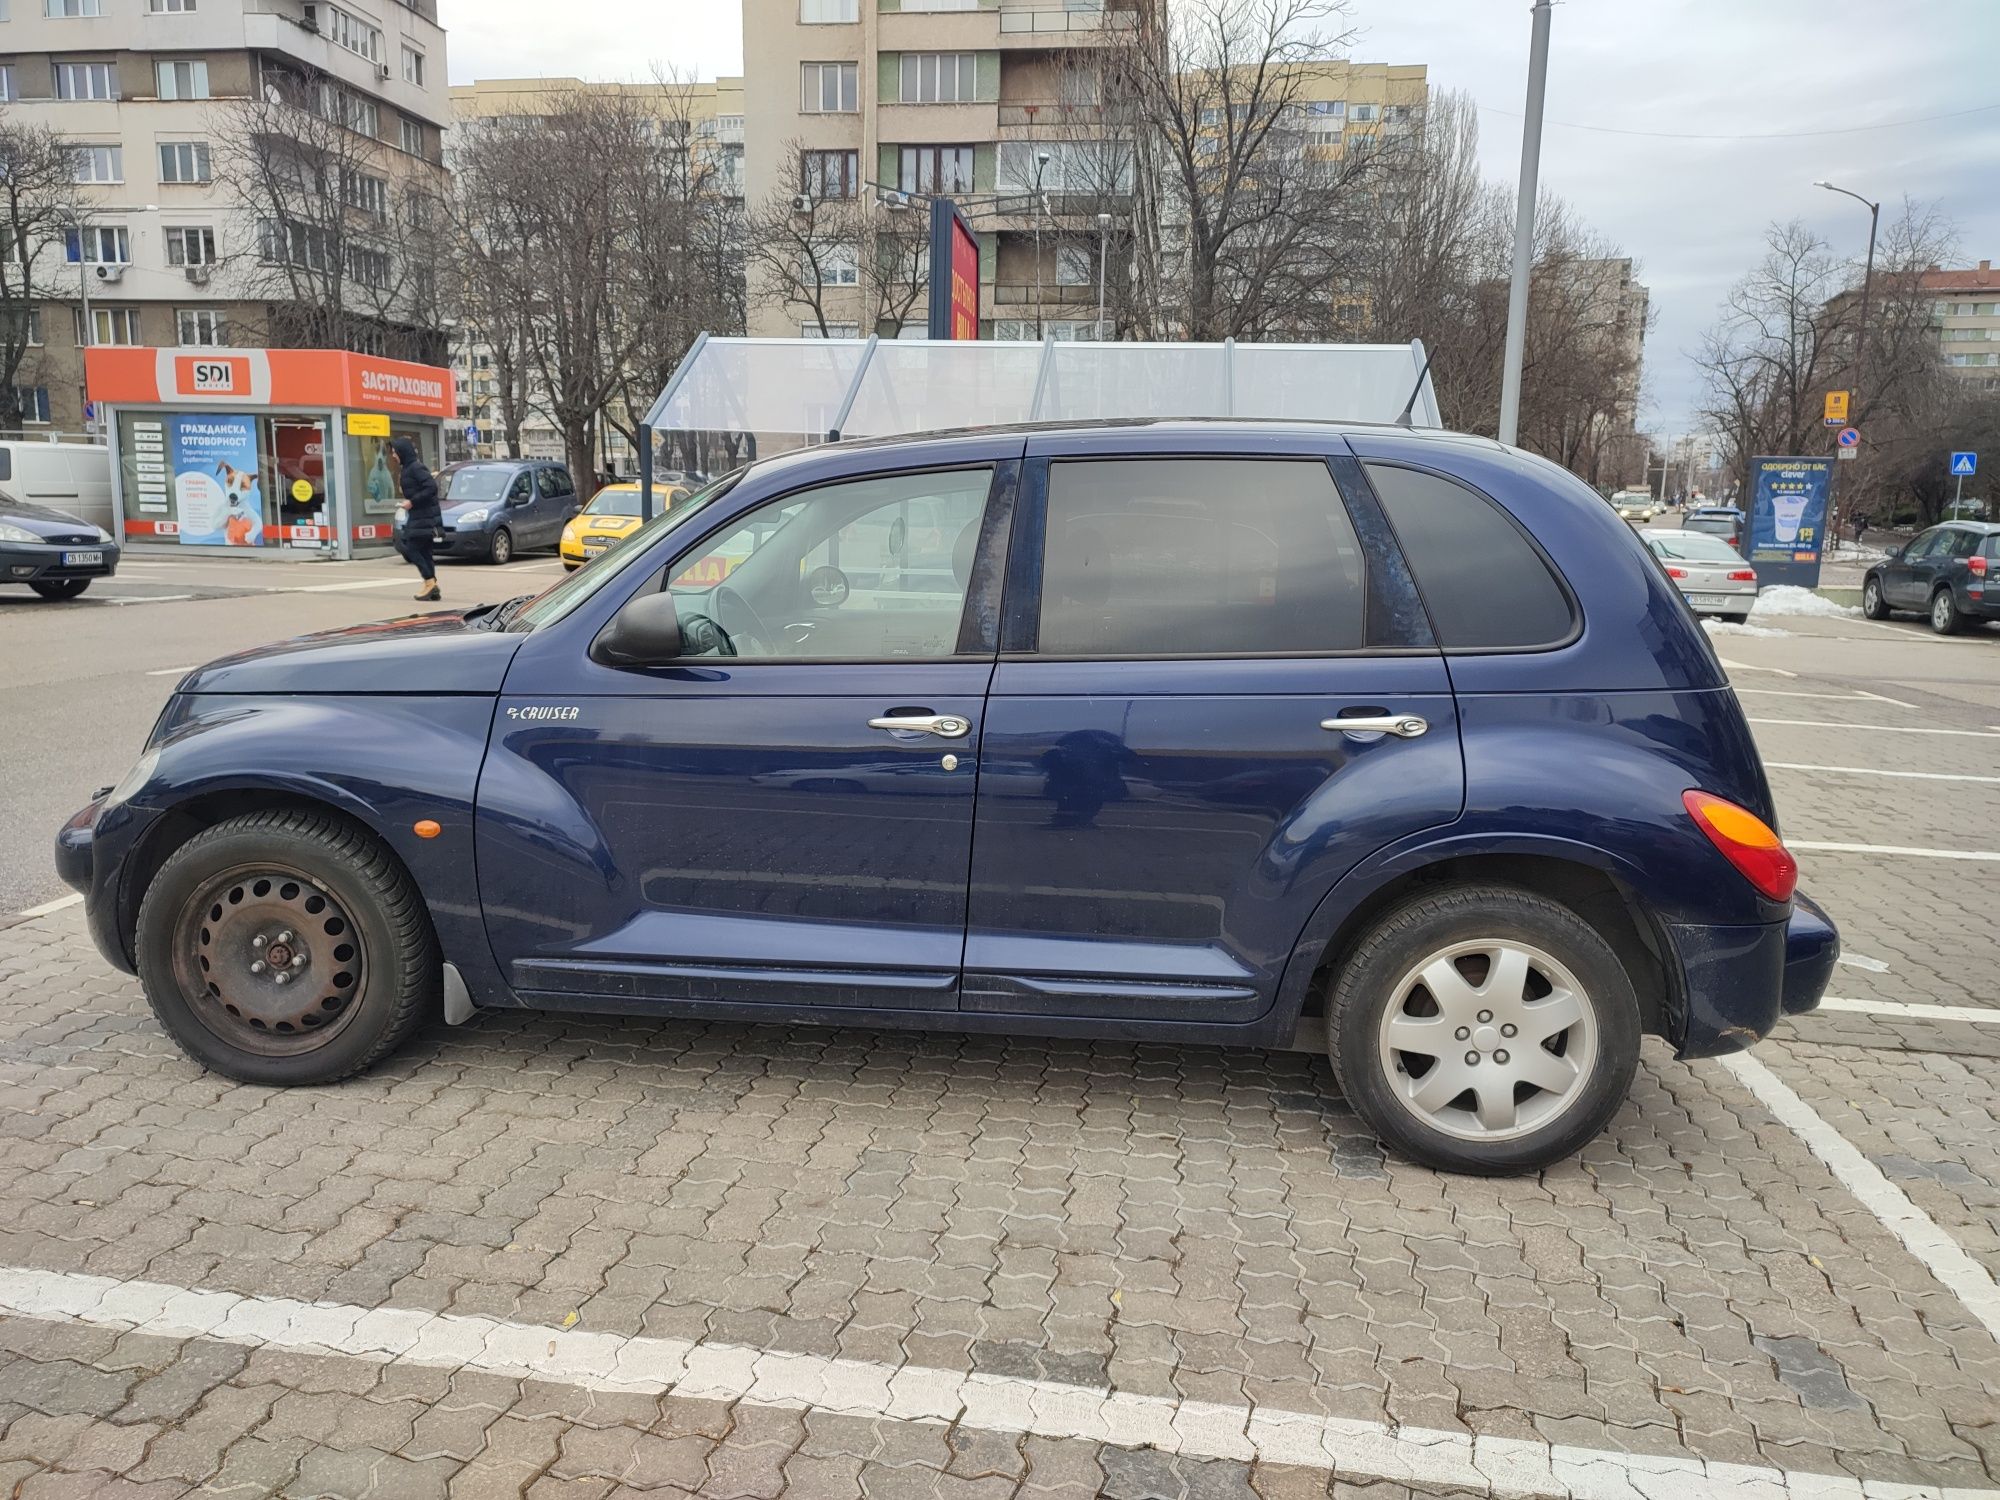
x,y
423,520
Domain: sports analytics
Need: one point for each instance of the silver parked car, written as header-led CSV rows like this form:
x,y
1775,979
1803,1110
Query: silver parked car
x,y
1711,575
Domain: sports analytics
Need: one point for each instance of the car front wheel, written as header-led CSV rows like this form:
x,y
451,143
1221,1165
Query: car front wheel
x,y
1873,605
501,548
286,947
60,588
1945,618
1484,1029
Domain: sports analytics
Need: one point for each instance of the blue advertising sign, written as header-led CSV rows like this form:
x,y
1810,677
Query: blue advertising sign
x,y
1788,519
218,499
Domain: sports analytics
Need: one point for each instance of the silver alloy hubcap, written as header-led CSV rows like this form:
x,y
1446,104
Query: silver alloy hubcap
x,y
1488,1040
1941,611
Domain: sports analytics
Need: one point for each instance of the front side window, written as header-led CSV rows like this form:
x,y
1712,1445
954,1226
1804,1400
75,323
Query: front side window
x,y
1199,557
1484,583
870,570
939,77
182,80
827,88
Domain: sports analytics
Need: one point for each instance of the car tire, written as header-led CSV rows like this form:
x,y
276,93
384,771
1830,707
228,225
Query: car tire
x,y
60,588
1382,996
570,567
291,883
500,548
1945,616
1739,619
1873,605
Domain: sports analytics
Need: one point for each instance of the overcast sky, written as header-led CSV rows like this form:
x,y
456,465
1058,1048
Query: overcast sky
x,y
1762,73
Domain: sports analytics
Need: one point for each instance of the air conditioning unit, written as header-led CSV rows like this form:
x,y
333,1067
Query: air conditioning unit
x,y
108,274
802,203
894,201
382,72
199,274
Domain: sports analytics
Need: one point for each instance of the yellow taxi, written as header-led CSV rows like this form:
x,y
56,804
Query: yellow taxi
x,y
611,516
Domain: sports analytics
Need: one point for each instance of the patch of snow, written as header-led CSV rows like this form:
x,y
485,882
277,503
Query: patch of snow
x,y
1730,627
1789,599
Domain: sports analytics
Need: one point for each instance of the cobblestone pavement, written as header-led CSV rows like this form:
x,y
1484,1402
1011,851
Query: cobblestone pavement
x,y
553,1257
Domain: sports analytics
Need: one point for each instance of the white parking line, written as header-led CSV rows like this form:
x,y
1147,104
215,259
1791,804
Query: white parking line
x,y
1862,961
149,599
1942,1255
1914,1010
1975,734
49,906
1793,765
1744,666
867,1390
1975,855
1834,697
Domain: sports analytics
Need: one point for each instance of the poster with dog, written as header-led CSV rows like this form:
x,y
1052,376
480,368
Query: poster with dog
x,y
217,498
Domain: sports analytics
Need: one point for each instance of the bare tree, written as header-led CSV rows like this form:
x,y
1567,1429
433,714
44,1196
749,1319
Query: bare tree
x,y
344,233
39,205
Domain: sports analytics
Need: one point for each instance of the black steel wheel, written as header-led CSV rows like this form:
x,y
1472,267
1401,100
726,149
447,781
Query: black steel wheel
x,y
60,588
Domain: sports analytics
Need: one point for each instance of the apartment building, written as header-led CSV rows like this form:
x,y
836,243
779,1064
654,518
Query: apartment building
x,y
147,89
1965,310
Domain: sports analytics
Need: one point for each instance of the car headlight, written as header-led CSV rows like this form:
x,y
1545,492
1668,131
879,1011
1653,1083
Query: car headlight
x,y
9,532
130,783
471,517
103,535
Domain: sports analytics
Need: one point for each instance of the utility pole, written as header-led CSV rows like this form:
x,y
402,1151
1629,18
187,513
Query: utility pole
x,y
1041,202
1524,226
1103,254
1861,331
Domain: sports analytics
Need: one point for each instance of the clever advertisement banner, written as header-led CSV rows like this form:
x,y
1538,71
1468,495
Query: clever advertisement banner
x,y
217,499
1788,508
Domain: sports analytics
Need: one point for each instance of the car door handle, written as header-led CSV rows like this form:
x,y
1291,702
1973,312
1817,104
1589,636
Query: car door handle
x,y
944,726
1403,726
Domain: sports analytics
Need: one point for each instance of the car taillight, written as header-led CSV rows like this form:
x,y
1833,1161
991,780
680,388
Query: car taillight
x,y
1677,572
1743,575
1747,842
1977,566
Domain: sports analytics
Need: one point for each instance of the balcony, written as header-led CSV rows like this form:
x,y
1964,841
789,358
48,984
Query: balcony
x,y
1023,294
1031,25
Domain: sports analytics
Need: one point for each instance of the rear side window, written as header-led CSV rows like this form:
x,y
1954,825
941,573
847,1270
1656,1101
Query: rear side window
x,y
1964,543
1199,556
1485,585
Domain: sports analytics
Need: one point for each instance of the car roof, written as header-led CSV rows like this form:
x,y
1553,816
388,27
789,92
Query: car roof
x,y
1984,528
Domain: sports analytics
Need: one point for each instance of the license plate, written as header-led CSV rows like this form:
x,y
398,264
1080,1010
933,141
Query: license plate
x,y
83,559
596,543
1709,601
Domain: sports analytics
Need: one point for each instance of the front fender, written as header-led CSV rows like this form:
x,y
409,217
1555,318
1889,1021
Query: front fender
x,y
388,762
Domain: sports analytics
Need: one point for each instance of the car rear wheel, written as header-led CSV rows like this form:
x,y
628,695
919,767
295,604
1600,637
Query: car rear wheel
x,y
1873,605
1738,619
1484,1029
286,948
501,548
1945,618
60,588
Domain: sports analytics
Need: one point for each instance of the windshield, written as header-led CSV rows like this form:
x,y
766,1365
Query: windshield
x,y
474,482
1694,546
556,601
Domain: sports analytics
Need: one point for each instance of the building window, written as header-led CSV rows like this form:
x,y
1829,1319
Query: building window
x,y
1363,114
936,169
199,325
368,267
839,265
86,80
32,401
828,12
829,88
833,331
290,242
108,325
345,107
1062,330
1073,166
365,193
413,66
941,5
62,8
191,245
182,80
6,82
34,328
99,245
356,35
939,77
1075,266
413,137
100,163
169,7
830,174
184,161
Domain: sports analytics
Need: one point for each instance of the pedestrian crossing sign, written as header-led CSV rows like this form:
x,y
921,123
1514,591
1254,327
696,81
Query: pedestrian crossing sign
x,y
1965,465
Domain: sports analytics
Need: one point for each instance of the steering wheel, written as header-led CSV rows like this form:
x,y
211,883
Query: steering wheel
x,y
742,619
700,636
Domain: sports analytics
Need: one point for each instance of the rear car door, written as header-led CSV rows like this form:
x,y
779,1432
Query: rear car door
x,y
785,823
556,502
1166,788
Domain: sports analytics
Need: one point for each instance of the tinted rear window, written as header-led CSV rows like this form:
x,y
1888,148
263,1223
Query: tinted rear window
x,y
1694,546
1485,585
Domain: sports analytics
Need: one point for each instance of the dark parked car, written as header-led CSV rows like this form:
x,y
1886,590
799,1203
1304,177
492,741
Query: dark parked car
x,y
495,507
1167,732
52,552
1951,573
1725,521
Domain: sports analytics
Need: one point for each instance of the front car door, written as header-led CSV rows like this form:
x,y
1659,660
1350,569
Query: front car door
x,y
783,815
1901,584
1166,786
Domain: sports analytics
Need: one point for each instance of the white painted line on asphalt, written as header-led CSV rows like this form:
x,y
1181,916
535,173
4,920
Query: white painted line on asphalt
x,y
1744,666
1006,1404
1793,765
1942,1255
1975,734
1862,961
1834,697
48,906
170,672
1914,1010
341,588
1976,855
149,599
1883,698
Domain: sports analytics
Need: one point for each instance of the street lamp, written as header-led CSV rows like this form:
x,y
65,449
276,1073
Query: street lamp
x,y
1524,225
1861,332
1103,254
1042,159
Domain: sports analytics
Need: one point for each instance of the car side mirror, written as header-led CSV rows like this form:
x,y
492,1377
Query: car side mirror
x,y
645,633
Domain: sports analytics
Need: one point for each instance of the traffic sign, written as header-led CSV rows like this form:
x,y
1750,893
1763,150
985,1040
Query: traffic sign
x,y
1849,437
1848,453
1836,408
1965,464
472,432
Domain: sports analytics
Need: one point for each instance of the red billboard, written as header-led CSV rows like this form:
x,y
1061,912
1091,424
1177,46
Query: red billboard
x,y
954,291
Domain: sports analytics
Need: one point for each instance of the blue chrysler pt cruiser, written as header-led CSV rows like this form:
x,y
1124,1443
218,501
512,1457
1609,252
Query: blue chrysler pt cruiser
x,y
1173,731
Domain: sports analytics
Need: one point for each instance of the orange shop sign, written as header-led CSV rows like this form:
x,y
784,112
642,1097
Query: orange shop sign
x,y
267,377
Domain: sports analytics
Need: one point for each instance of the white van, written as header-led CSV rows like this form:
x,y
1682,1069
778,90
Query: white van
x,y
73,477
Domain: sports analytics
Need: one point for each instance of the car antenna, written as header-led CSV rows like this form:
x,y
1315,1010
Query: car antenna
x,y
1403,417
